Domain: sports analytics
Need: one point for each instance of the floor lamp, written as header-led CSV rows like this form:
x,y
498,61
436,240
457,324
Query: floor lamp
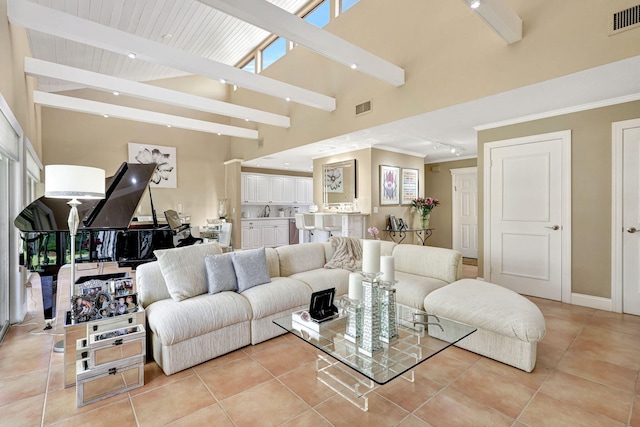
x,y
73,182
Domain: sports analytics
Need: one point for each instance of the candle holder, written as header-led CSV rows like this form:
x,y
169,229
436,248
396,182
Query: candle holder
x,y
370,342
353,331
387,309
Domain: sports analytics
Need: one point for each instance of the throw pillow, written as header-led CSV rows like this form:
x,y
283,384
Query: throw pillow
x,y
184,270
221,275
251,268
347,253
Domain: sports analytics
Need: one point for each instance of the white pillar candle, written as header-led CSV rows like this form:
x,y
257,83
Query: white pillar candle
x,y
355,286
387,267
371,256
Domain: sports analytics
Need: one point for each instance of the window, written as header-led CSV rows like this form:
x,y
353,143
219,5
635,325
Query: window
x,y
320,15
273,52
346,4
250,66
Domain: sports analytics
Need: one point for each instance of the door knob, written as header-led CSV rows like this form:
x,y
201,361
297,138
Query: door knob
x,y
555,227
631,230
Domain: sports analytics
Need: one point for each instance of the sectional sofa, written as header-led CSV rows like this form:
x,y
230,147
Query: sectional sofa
x,y
190,323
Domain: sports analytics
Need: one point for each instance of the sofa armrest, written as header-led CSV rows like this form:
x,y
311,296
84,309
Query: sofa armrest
x,y
150,284
428,261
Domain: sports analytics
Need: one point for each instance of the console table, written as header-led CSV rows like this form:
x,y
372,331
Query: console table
x,y
399,235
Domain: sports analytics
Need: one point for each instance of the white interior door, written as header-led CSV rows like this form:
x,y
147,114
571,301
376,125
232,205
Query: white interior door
x,y
528,185
465,211
631,218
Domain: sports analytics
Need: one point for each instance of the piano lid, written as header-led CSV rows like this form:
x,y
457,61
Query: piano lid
x,y
123,193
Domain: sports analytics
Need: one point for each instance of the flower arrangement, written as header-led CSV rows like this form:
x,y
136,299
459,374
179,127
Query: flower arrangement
x,y
374,232
424,206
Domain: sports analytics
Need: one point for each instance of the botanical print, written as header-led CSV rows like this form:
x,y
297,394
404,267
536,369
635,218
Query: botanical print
x,y
334,180
389,192
163,157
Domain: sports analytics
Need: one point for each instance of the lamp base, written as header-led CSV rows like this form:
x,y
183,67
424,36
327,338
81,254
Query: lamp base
x,y
58,347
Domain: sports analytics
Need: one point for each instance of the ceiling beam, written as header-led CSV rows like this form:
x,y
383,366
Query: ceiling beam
x,y
278,21
128,113
50,21
498,15
38,67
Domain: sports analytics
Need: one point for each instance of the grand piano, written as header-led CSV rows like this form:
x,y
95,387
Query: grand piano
x,y
108,231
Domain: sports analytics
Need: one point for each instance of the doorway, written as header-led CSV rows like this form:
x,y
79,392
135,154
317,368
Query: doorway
x,y
464,219
527,210
625,232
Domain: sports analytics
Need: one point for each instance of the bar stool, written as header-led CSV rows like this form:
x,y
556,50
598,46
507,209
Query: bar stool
x,y
303,227
324,223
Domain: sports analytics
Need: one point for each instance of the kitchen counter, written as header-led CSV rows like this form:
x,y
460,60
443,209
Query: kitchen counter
x,y
267,218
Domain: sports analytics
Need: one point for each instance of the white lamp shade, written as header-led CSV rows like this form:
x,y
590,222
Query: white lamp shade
x,y
73,182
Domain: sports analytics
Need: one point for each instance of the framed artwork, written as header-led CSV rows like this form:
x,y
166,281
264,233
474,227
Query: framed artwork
x,y
389,188
409,185
334,180
165,175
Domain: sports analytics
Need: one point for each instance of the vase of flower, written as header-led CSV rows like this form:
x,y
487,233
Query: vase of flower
x,y
423,207
424,220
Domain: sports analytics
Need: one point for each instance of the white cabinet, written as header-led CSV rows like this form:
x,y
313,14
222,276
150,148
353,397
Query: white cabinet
x,y
304,191
251,235
278,189
282,189
267,232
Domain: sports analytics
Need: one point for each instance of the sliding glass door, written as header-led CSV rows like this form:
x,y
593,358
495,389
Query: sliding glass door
x,y
4,246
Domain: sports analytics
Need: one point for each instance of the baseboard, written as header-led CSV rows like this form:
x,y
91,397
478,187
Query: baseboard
x,y
591,301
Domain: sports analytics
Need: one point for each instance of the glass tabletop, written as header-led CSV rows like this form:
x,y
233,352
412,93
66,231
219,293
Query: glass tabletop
x,y
415,344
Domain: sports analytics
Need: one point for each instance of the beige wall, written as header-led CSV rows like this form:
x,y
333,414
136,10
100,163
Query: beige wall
x,y
439,185
91,140
15,87
449,54
590,188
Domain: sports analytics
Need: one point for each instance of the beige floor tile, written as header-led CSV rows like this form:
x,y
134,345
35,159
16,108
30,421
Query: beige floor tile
x,y
26,412
452,409
235,377
22,386
599,371
410,395
309,418
561,332
104,416
219,361
442,368
493,390
62,404
544,411
268,404
531,379
210,416
413,421
619,322
154,377
601,349
21,364
549,355
381,412
282,358
605,400
172,401
302,381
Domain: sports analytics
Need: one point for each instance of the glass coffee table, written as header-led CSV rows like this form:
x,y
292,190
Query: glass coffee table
x,y
353,375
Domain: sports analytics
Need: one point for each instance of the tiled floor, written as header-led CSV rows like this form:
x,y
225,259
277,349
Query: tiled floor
x,y
586,375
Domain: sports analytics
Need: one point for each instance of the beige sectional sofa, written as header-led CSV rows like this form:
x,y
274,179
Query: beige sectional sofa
x,y
190,326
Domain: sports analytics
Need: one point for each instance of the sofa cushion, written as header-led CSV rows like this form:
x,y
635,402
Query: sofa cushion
x,y
184,270
273,262
251,268
439,263
347,253
221,276
150,283
412,289
174,322
320,279
301,257
281,294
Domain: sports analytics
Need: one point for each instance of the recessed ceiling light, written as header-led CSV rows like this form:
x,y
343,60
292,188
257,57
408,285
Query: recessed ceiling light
x,y
246,120
223,81
106,116
287,99
116,93
475,4
167,36
354,66
132,55
286,163
219,134
168,126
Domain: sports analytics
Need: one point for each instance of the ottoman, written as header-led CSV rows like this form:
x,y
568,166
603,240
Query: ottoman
x,y
509,325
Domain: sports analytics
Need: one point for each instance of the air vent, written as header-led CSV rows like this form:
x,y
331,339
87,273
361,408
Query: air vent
x,y
625,19
363,108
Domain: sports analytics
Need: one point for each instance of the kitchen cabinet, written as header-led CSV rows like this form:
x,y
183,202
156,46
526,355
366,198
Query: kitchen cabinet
x,y
276,189
283,189
304,191
265,232
251,235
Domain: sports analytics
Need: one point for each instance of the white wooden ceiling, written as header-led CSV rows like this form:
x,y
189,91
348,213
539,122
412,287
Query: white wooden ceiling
x,y
184,24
